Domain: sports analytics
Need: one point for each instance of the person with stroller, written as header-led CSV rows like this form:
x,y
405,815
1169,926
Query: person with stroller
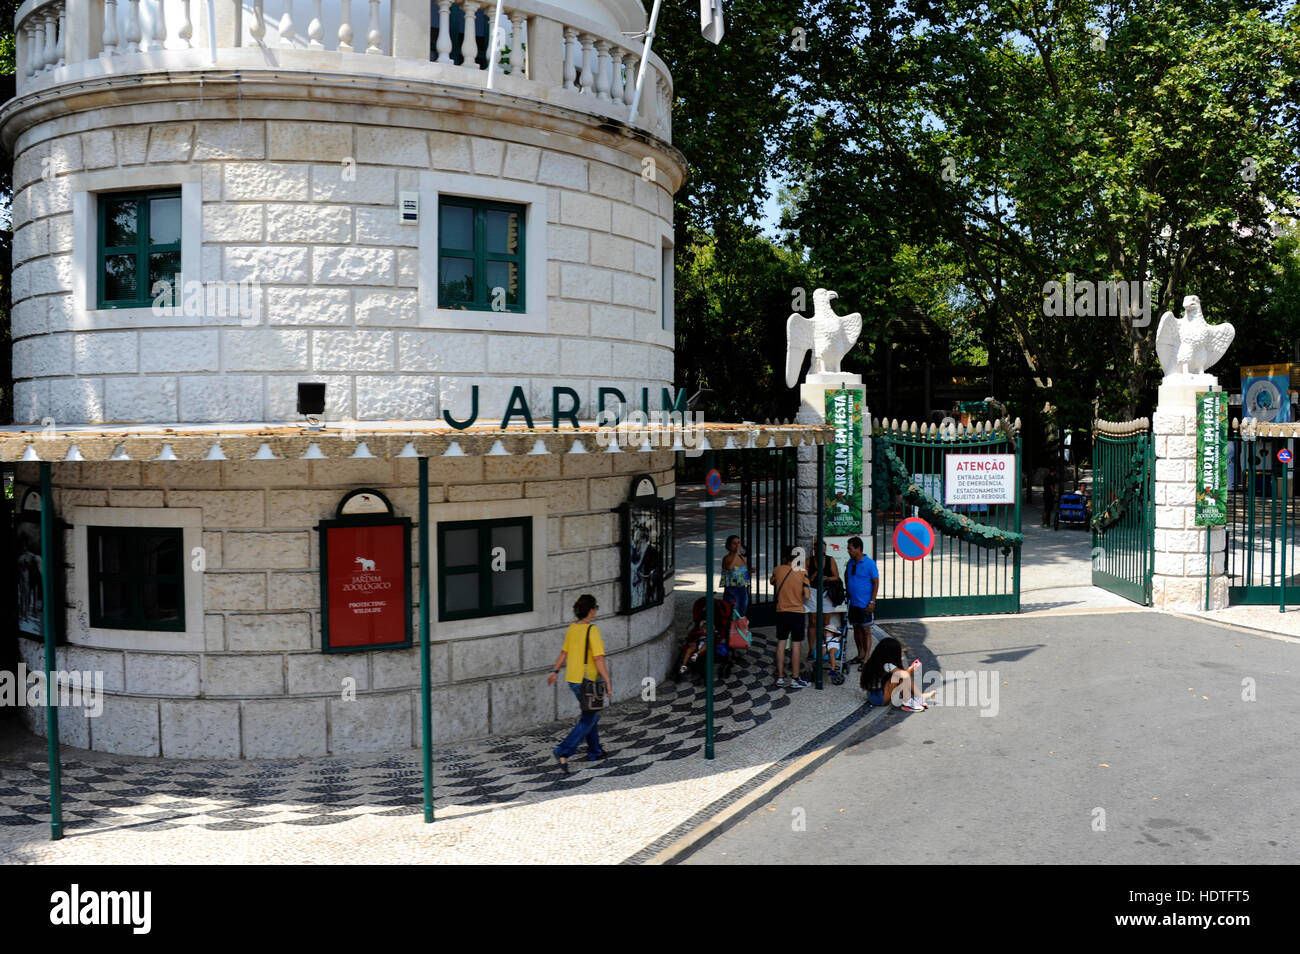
x,y
790,591
584,654
735,576
828,589
885,679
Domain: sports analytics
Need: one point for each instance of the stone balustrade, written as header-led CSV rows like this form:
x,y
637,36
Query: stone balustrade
x,y
545,52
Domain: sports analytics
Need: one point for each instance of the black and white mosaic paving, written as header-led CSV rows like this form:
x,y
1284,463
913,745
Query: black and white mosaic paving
x,y
101,792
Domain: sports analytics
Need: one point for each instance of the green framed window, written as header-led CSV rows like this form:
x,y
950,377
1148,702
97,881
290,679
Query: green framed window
x,y
480,255
485,568
139,244
137,578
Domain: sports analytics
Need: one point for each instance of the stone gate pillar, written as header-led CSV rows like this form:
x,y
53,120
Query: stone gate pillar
x,y
812,410
1179,581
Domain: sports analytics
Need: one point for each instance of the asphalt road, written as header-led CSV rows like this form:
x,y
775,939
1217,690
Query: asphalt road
x,y
1111,739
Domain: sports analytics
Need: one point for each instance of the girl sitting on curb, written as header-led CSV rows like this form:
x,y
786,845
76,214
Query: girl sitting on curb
x,y
883,677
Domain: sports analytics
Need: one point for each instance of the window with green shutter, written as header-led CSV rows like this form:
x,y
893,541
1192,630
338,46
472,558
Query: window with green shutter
x,y
139,244
137,578
480,255
485,568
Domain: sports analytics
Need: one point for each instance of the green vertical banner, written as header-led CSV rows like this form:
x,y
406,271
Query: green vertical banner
x,y
1211,458
843,467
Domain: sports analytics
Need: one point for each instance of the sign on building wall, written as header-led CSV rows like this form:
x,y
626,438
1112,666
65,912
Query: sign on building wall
x,y
30,564
979,479
648,545
843,478
1211,458
365,565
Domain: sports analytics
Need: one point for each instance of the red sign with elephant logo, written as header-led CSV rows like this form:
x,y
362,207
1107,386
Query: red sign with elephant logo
x,y
366,583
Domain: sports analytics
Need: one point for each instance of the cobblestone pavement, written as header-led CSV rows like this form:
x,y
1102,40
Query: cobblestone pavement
x,y
503,800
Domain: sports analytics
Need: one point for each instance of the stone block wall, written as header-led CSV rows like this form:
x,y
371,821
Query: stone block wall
x,y
307,211
812,410
1179,580
260,687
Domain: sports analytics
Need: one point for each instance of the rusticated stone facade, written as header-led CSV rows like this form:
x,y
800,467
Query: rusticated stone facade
x,y
256,685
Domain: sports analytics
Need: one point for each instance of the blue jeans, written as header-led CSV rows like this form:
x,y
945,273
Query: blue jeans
x,y
585,729
739,595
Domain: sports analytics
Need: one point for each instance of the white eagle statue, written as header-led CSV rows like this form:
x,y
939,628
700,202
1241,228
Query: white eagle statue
x,y
828,335
1189,345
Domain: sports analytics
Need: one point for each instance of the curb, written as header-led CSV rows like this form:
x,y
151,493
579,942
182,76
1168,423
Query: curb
x,y
1240,627
707,831
728,810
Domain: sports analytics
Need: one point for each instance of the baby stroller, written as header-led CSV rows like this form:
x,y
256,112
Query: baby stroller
x,y
696,645
835,636
1073,510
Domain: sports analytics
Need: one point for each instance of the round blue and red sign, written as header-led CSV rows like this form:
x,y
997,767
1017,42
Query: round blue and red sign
x,y
713,482
913,539
1284,456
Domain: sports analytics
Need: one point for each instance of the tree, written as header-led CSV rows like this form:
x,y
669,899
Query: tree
x,y
1020,144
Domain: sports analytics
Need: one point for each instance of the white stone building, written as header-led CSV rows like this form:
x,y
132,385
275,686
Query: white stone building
x,y
259,163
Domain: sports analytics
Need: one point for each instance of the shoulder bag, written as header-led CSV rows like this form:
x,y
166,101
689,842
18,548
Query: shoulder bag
x,y
592,695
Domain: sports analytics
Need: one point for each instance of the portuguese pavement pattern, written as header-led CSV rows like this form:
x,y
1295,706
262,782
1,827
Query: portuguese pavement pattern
x,y
112,792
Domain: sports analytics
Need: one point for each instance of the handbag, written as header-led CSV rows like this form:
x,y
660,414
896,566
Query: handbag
x,y
740,637
834,591
591,697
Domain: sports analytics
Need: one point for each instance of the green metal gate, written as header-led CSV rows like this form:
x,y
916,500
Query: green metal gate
x,y
1261,533
975,564
768,515
1123,509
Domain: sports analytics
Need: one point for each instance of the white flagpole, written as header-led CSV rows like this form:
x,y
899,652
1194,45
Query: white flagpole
x,y
212,30
645,61
492,44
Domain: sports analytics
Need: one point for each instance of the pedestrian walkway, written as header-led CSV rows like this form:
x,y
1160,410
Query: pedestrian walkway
x,y
498,801
1056,570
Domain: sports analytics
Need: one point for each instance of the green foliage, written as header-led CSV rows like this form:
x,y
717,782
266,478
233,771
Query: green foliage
x,y
964,154
734,106
734,294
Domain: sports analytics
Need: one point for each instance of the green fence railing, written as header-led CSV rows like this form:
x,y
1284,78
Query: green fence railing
x,y
974,566
1261,533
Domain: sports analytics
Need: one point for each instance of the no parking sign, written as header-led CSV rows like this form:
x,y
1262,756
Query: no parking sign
x,y
913,539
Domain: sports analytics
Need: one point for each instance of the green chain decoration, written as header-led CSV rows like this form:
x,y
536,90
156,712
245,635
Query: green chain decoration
x,y
1117,508
891,478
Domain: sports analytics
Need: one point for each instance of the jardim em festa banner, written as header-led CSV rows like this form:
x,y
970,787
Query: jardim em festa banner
x,y
844,464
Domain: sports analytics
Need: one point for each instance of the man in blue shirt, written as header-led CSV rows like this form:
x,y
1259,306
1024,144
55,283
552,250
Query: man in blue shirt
x,y
862,580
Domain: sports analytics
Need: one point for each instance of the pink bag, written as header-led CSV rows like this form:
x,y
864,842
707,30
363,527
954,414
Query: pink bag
x,y
740,636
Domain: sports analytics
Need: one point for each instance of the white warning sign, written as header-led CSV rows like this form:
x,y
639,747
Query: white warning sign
x,y
979,479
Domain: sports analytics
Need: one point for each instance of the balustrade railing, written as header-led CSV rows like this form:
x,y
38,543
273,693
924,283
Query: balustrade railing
x,y
572,60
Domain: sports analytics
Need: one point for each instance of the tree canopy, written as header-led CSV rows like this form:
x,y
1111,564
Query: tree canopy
x,y
955,158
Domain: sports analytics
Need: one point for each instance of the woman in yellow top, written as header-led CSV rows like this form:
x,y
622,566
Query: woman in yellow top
x,y
582,643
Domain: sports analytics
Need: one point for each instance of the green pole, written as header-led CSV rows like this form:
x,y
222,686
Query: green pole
x,y
708,619
1285,506
1208,531
426,703
821,569
47,632
1015,568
